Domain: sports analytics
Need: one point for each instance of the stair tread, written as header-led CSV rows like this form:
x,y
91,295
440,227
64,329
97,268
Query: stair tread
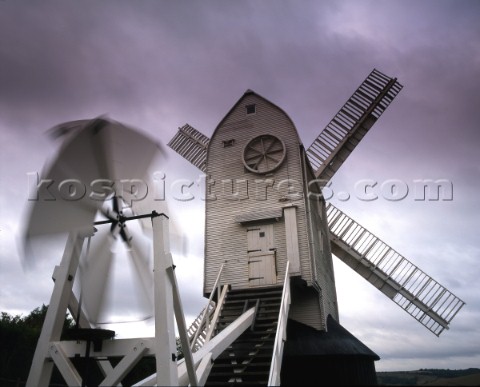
x,y
247,350
252,343
241,300
254,347
252,299
225,373
244,383
223,357
268,337
263,333
255,295
260,313
232,318
250,364
250,290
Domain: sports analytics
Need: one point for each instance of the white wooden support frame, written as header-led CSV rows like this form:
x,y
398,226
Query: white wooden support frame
x,y
165,344
126,364
41,369
168,306
204,368
79,315
51,351
213,348
64,365
182,328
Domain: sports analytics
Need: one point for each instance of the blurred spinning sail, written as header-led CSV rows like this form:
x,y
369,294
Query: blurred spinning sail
x,y
116,271
94,155
101,165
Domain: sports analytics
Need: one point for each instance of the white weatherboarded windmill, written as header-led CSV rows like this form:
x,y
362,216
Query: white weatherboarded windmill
x,y
269,237
272,312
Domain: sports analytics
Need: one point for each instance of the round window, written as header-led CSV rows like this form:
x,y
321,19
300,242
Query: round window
x,y
264,154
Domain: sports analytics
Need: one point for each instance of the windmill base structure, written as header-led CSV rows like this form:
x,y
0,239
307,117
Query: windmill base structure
x,y
343,361
98,344
272,316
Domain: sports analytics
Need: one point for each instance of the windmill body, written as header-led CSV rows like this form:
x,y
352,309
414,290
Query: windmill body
x,y
258,212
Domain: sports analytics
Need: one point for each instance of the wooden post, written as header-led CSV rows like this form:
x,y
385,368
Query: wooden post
x,y
41,369
165,344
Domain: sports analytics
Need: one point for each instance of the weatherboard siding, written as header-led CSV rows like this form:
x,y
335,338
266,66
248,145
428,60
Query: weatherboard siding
x,y
226,240
305,308
324,263
323,272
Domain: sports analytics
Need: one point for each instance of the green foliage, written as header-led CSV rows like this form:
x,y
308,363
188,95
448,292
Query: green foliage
x,y
18,338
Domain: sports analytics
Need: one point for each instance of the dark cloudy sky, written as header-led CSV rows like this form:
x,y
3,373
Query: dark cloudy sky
x,y
156,65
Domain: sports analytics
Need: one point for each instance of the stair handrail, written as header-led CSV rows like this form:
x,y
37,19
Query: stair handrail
x,y
210,299
216,315
281,335
193,328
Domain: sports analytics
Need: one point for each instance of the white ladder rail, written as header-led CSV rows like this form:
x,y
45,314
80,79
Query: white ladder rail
x,y
216,315
205,323
195,326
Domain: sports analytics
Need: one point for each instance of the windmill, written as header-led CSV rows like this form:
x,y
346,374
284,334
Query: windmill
x,y
87,192
269,239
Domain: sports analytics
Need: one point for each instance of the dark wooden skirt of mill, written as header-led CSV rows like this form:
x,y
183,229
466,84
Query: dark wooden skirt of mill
x,y
335,357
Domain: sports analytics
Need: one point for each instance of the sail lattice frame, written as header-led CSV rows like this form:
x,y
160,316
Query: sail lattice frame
x,y
343,133
192,145
430,303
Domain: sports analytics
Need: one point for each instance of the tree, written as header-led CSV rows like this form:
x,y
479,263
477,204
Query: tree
x,y
19,336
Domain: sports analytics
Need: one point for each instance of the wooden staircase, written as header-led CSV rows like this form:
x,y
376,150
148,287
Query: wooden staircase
x,y
248,360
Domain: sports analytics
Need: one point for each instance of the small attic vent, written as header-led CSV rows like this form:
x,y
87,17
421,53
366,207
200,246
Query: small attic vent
x,y
227,143
251,109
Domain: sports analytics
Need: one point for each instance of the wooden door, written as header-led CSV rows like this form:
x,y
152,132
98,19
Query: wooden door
x,y
261,256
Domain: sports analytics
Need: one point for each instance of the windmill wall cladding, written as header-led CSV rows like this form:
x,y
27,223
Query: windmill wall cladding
x,y
272,314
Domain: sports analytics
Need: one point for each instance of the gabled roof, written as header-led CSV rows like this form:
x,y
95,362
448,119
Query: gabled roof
x,y
250,92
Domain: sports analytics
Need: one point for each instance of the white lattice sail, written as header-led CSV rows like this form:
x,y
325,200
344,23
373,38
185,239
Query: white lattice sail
x,y
340,137
433,305
192,145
